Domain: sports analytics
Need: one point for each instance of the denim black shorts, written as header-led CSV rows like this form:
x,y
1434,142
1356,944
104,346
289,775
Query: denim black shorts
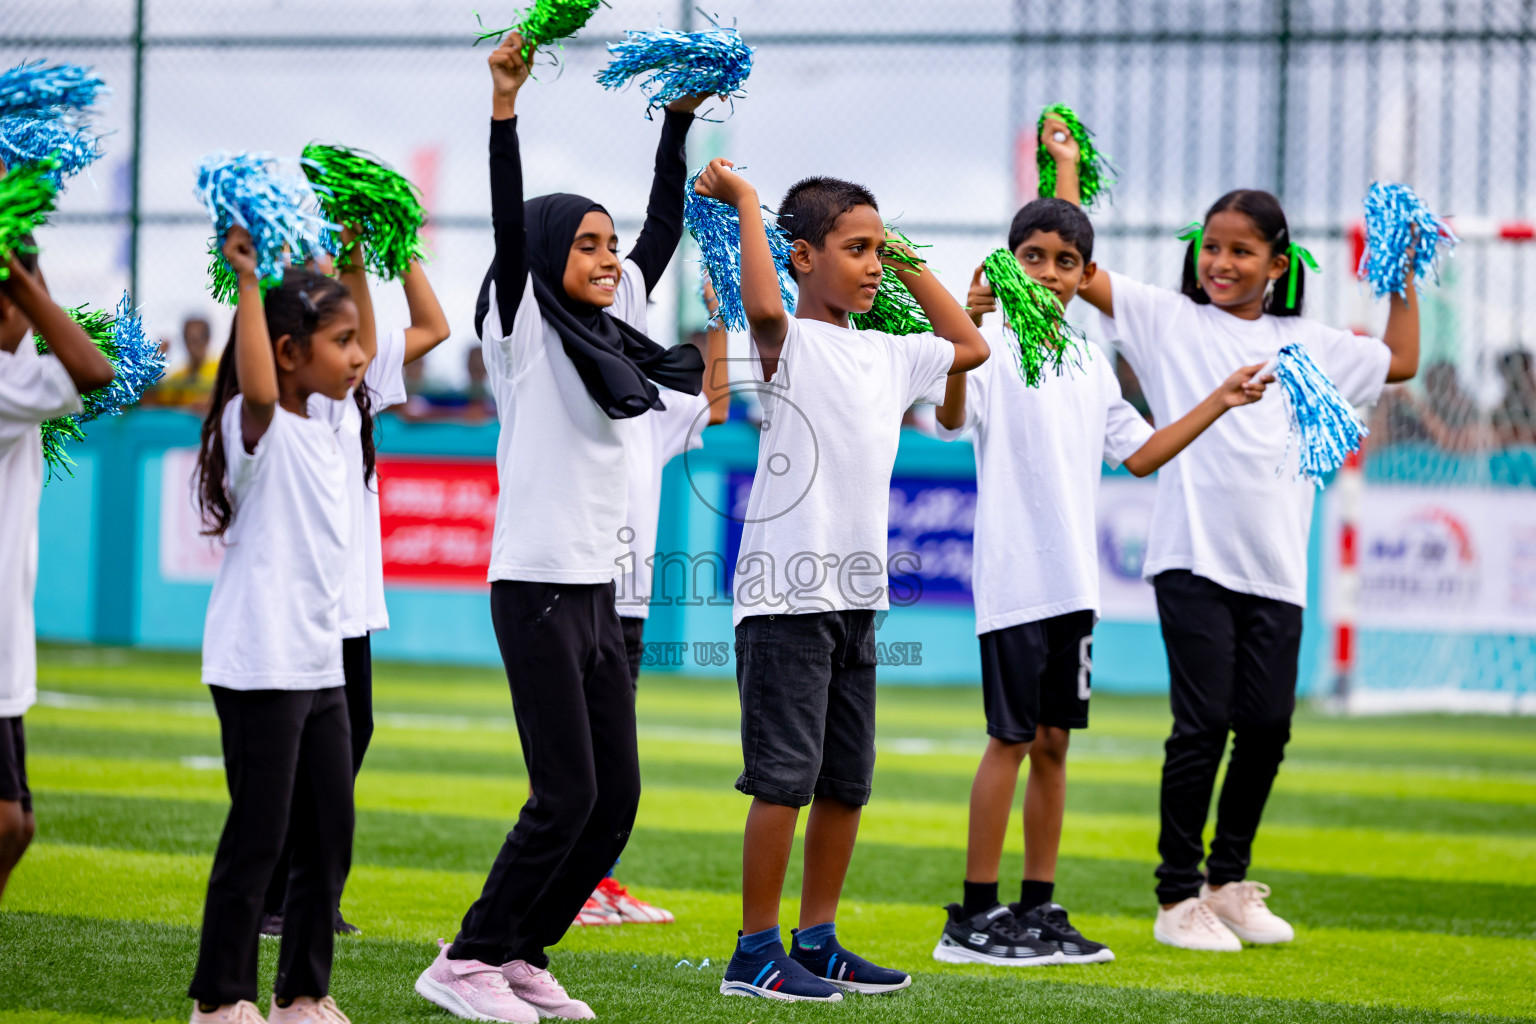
x,y
807,685
13,763
1037,673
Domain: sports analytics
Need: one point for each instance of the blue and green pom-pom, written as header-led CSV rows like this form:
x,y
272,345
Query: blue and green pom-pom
x,y
137,365
24,138
280,211
48,91
27,195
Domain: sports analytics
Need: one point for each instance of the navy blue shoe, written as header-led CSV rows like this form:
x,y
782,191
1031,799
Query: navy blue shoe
x,y
848,971
774,975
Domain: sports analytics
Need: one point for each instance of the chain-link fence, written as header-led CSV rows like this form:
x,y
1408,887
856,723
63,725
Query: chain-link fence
x,y
931,104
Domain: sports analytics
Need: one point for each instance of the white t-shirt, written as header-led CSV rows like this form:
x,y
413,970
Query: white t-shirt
x,y
654,438
1037,479
33,388
817,523
362,597
560,459
274,618
1232,507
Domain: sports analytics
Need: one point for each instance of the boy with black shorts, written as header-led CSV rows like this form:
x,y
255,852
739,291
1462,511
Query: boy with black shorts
x,y
1036,576
812,571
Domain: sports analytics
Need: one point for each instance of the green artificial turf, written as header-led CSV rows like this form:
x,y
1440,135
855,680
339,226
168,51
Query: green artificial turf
x,y
1404,849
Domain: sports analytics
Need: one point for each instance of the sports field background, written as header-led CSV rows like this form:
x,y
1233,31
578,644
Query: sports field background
x,y
1403,849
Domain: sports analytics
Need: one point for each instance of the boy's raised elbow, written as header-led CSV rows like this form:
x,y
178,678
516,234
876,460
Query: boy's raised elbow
x,y
96,378
1139,465
1402,368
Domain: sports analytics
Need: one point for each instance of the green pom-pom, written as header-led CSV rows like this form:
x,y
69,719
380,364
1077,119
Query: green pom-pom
x,y
546,21
357,189
27,196
1094,171
895,311
62,431
1034,315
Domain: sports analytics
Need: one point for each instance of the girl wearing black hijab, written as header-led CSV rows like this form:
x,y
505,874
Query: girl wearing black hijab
x,y
561,320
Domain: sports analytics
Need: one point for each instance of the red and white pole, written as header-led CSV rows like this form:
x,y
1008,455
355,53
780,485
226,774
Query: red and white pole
x,y
1347,489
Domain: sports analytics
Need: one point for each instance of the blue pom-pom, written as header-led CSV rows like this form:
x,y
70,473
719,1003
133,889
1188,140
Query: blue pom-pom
x,y
51,91
1392,213
670,65
716,228
137,364
23,139
280,211
1324,426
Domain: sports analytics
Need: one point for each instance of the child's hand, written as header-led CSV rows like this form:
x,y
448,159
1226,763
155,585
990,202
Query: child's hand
x,y
711,300
688,104
720,181
240,251
1057,139
1244,388
510,64
898,255
979,301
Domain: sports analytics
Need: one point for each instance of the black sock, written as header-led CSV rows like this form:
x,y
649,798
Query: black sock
x,y
1032,894
980,897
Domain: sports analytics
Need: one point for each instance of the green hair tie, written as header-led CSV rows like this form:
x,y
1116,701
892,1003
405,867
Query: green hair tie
x,y
1297,255
1194,232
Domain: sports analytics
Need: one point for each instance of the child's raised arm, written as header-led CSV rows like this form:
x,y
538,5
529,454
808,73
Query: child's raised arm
x,y
760,299
949,320
1057,139
1402,335
88,369
979,301
354,275
509,268
717,384
429,326
663,227
255,365
1239,389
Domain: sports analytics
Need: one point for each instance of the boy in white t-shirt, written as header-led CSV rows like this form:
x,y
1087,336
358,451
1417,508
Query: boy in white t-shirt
x,y
33,388
1036,582
812,571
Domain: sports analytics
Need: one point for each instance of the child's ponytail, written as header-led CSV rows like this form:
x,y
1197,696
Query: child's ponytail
x,y
363,396
303,302
1289,292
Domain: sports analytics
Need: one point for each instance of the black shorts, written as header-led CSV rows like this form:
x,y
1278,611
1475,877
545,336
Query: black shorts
x,y
634,644
1037,673
807,685
13,763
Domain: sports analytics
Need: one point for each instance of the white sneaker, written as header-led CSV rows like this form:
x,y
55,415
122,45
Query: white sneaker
x,y
1240,906
1192,925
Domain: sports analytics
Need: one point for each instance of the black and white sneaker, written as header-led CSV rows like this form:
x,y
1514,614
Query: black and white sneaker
x,y
1049,922
992,937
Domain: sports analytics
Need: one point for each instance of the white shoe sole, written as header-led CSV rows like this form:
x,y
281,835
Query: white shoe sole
x,y
1103,956
449,1000
741,988
869,990
1161,936
949,952
1258,938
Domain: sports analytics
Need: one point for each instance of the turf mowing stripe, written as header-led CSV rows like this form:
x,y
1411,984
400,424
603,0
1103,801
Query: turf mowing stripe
x,y
880,873
149,964
1434,972
119,733
1372,852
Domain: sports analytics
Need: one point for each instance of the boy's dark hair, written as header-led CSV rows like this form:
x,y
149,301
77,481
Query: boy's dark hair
x,y
812,205
1051,214
1269,220
303,303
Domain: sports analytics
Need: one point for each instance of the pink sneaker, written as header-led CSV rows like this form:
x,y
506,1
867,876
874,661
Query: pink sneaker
x,y
596,912
243,1012
540,990
305,1010
472,990
630,909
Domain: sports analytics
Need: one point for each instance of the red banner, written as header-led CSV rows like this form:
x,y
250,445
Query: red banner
x,y
436,517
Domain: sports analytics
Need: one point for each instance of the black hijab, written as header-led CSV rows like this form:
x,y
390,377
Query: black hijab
x,y
612,358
